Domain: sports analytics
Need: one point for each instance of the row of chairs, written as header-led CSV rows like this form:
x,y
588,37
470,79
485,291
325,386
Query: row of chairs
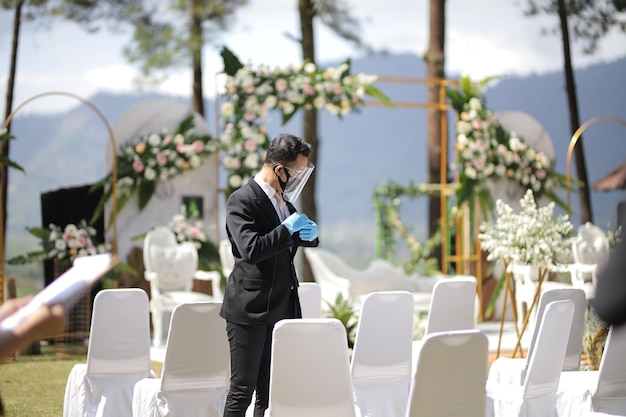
x,y
312,372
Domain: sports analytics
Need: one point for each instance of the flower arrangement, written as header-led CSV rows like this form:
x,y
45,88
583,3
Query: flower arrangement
x,y
251,93
486,151
531,237
187,226
155,157
63,244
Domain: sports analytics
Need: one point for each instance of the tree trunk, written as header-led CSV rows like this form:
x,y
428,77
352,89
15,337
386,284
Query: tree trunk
x,y
586,214
196,56
434,58
309,126
8,108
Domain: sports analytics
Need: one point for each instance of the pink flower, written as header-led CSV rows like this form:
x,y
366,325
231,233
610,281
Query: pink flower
x,y
337,88
249,145
477,123
308,90
181,148
161,158
167,139
540,174
198,146
138,165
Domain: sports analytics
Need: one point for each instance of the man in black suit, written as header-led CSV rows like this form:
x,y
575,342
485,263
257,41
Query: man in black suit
x,y
265,232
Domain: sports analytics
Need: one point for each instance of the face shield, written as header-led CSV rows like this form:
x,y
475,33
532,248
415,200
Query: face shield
x,y
296,182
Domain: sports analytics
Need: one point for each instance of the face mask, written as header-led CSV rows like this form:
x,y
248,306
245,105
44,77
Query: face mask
x,y
283,184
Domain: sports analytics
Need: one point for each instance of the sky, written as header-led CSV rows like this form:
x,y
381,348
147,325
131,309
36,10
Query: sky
x,y
483,38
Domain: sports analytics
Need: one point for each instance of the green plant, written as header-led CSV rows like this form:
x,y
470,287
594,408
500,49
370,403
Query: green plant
x,y
344,311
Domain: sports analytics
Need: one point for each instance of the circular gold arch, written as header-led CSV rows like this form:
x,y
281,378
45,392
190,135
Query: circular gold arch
x,y
572,145
113,173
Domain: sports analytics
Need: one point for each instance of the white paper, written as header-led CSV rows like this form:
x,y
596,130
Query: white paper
x,y
66,289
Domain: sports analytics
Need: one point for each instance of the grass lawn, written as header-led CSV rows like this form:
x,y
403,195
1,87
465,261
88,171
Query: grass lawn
x,y
34,385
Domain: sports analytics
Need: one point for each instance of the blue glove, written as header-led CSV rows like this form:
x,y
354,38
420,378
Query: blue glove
x,y
295,222
309,232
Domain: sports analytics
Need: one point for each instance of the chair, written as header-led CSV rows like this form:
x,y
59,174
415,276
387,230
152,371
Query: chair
x,y
589,249
526,278
196,369
451,370
310,295
509,370
335,276
382,355
226,257
536,395
118,356
453,305
584,392
310,370
170,269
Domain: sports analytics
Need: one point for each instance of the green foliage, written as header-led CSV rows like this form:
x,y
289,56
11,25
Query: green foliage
x,y
589,20
172,33
344,311
387,201
4,160
232,64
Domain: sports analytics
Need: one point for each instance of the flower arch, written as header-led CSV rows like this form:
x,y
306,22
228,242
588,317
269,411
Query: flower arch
x,y
251,93
486,152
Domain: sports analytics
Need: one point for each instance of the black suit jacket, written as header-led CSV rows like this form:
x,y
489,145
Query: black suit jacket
x,y
263,286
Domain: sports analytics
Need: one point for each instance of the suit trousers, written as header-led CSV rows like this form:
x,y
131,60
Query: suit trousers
x,y
250,350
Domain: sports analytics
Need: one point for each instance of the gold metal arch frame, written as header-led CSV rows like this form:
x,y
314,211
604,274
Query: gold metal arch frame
x,y
113,173
572,144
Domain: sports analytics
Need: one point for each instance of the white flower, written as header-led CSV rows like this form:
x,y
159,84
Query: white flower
x,y
235,181
227,109
149,174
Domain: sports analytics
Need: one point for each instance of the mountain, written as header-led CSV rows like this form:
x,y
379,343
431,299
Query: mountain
x,y
356,153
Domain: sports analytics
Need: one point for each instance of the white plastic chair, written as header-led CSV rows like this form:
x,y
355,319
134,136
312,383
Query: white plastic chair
x,y
453,305
310,370
604,390
336,276
226,257
451,371
196,369
382,355
170,269
310,295
536,395
589,249
118,356
507,370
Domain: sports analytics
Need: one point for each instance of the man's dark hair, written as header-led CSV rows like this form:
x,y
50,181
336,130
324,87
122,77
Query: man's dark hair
x,y
286,148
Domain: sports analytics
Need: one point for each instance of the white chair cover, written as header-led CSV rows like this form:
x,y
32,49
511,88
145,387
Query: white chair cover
x,y
604,390
310,371
450,376
196,369
382,355
536,396
509,370
170,268
118,356
310,294
453,305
